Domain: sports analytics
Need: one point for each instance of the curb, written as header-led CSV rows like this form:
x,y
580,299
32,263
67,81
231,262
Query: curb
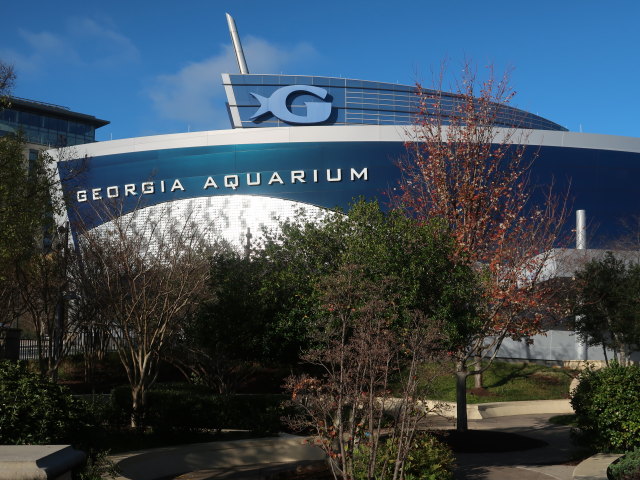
x,y
480,411
595,467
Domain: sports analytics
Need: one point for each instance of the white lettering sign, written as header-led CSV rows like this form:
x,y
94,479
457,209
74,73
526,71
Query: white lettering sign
x,y
233,181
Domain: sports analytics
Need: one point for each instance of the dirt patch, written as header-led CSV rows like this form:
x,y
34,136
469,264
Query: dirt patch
x,y
481,392
547,379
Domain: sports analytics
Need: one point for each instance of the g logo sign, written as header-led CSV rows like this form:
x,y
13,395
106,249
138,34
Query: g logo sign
x,y
317,112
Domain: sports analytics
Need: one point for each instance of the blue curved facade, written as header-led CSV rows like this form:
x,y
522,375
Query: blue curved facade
x,y
327,163
327,174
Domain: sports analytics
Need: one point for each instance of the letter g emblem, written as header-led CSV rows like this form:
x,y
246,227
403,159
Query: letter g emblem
x,y
317,112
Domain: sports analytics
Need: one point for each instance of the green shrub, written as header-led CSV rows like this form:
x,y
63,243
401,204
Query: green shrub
x,y
172,407
98,466
607,406
429,459
260,413
187,407
627,468
35,411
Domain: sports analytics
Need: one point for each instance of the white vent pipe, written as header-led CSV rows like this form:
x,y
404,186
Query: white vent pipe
x,y
581,230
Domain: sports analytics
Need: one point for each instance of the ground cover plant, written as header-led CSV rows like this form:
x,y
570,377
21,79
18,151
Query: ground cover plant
x,y
506,382
627,468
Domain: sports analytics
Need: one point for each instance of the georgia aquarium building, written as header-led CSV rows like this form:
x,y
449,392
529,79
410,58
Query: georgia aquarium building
x,y
318,143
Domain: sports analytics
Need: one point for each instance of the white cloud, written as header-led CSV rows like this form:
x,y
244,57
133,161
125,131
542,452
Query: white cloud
x,y
82,42
194,94
108,47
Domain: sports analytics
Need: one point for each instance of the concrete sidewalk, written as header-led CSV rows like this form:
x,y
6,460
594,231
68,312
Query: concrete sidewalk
x,y
550,462
259,458
217,457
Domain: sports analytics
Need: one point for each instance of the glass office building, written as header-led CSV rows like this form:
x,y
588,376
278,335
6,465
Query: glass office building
x,y
47,124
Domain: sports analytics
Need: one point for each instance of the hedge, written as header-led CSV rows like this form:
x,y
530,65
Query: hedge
x,y
186,407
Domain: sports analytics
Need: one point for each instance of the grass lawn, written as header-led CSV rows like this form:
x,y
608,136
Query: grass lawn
x,y
569,419
503,382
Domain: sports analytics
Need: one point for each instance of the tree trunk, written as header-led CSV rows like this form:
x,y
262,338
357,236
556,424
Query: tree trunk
x,y
625,355
461,397
478,376
137,405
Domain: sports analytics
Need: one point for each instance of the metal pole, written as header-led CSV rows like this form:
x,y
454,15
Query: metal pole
x,y
582,348
237,46
581,230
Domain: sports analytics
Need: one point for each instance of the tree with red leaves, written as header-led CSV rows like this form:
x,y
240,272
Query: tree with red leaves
x,y
469,168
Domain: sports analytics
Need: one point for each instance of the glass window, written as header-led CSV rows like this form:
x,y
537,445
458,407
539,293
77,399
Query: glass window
x,y
33,157
78,128
9,115
57,124
30,119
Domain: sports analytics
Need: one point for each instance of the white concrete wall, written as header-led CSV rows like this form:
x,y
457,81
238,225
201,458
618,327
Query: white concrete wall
x,y
556,346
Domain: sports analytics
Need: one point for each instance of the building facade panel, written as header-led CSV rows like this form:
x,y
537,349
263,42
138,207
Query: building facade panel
x,y
328,175
352,102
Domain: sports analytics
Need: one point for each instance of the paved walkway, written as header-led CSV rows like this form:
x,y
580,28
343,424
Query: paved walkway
x,y
216,459
257,459
544,463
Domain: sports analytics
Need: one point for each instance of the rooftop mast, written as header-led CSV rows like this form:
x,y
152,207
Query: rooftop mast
x,y
237,46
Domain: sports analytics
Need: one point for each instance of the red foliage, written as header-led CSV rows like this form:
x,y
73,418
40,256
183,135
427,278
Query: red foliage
x,y
467,167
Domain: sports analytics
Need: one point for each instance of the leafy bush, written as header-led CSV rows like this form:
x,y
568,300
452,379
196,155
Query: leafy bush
x,y
186,407
428,459
627,468
607,406
258,413
35,411
97,467
172,407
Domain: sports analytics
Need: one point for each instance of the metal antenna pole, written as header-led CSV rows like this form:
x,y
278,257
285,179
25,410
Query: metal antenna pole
x,y
237,46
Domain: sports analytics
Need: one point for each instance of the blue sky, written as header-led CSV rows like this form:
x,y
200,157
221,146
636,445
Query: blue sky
x,y
154,67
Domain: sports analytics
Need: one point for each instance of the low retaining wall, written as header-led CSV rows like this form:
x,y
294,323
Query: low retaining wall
x,y
174,461
478,411
38,462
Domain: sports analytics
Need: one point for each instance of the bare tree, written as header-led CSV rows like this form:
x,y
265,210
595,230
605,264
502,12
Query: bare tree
x,y
43,288
7,79
92,328
349,406
146,281
467,165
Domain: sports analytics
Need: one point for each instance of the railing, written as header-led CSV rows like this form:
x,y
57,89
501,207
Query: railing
x,y
29,347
